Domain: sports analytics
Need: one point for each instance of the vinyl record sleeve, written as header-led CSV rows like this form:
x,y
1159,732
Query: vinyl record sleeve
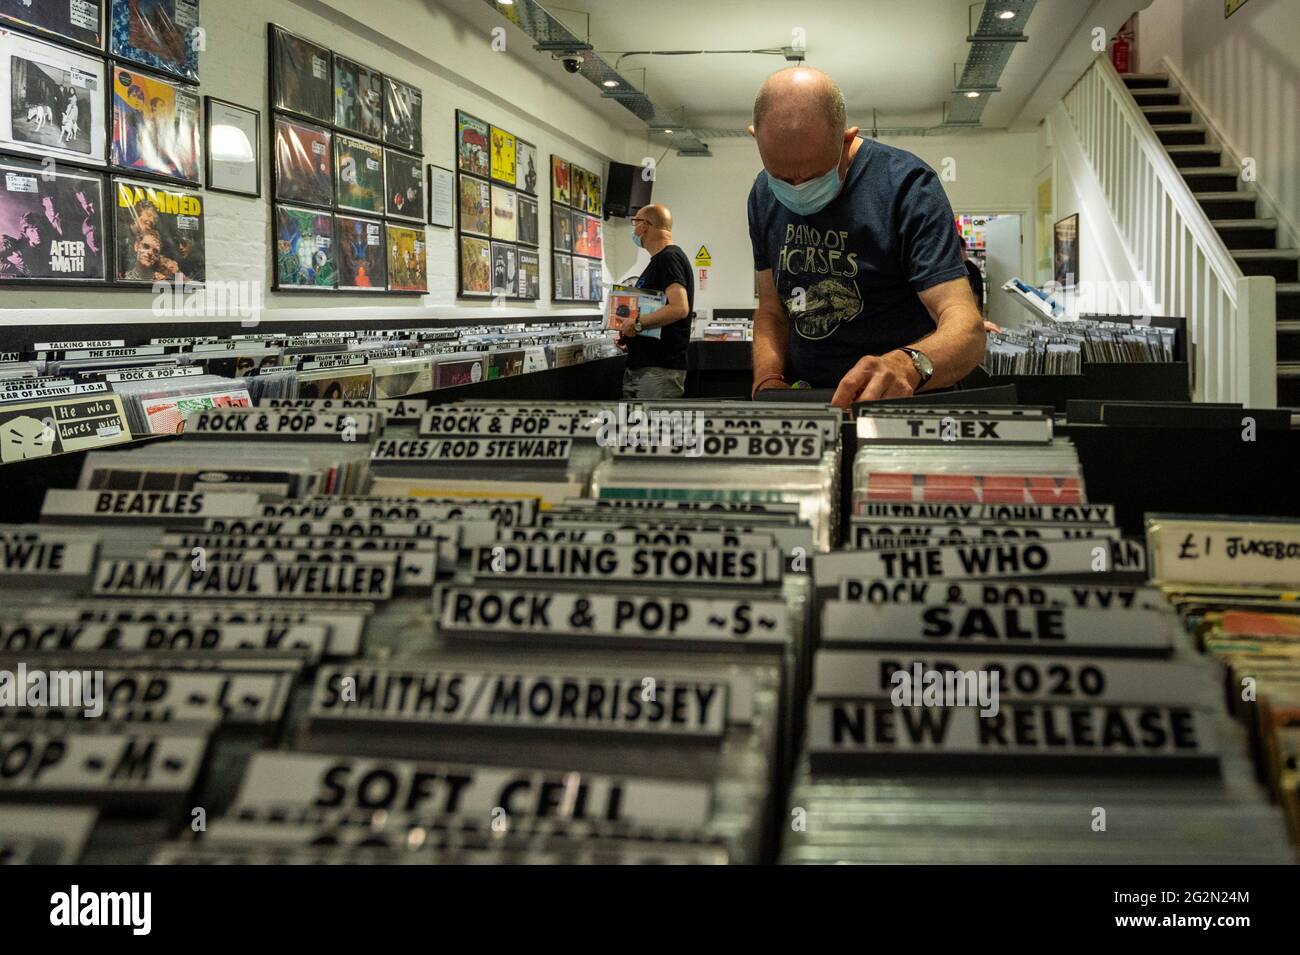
x,y
503,156
472,145
475,206
505,267
305,250
578,188
530,275
158,232
526,167
562,226
159,34
404,180
302,80
79,21
562,274
157,126
505,214
403,116
360,167
527,214
475,267
51,227
56,100
362,254
408,263
358,98
560,175
304,163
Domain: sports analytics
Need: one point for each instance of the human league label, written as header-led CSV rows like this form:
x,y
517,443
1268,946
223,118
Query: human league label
x,y
678,706
346,782
474,611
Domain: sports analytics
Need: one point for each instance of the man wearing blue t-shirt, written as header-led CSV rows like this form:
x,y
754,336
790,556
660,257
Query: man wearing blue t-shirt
x,y
861,285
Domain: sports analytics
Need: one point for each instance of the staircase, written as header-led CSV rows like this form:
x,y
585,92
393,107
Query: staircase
x,y
1252,242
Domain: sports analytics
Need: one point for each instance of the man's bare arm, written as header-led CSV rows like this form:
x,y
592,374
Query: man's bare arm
x,y
955,347
677,308
771,334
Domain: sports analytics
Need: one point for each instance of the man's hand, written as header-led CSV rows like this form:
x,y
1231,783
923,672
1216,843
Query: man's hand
x,y
891,375
627,328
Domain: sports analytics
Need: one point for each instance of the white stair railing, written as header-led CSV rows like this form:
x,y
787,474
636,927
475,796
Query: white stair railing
x,y
1231,317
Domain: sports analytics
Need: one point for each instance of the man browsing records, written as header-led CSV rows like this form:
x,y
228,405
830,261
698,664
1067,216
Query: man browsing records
x,y
861,286
656,367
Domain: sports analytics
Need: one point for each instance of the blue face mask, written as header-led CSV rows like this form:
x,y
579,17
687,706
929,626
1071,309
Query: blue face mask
x,y
636,239
809,197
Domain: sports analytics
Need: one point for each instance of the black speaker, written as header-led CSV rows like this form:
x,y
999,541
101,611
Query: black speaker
x,y
626,190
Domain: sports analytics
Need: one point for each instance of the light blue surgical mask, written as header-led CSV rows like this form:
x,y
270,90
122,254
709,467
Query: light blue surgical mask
x,y
636,239
811,197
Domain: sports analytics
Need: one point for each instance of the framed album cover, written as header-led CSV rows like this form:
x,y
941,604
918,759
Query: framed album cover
x,y
560,174
304,163
403,116
561,230
360,166
562,276
408,262
472,145
158,233
578,190
233,137
442,197
358,98
305,256
525,167
159,34
475,206
81,23
302,79
56,100
363,254
51,224
527,216
475,267
505,266
155,126
578,224
504,213
404,185
530,275
1066,252
503,156
595,203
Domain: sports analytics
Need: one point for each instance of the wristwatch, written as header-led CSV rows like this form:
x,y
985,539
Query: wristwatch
x,y
637,326
921,362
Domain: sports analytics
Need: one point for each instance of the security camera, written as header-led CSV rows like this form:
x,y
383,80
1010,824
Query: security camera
x,y
571,62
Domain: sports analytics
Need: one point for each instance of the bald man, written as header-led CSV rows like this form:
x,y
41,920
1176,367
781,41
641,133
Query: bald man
x,y
656,364
861,286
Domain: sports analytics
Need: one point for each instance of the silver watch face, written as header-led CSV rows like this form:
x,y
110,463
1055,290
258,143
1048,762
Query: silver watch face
x,y
921,361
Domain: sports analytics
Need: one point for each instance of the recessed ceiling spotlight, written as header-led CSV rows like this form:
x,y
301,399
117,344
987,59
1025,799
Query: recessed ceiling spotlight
x,y
506,3
973,94
611,83
1007,15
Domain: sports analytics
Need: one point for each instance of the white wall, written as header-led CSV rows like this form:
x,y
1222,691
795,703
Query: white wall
x,y
994,172
453,64
1245,71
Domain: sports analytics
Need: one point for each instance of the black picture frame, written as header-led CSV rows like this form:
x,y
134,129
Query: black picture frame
x,y
22,146
397,161
322,114
189,190
413,140
208,102
281,208
486,245
184,69
327,198
1065,251
99,44
455,195
178,89
102,202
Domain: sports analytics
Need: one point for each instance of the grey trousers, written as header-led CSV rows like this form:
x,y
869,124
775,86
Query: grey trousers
x,y
654,382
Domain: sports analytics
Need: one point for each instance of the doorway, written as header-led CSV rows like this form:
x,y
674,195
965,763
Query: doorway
x,y
993,243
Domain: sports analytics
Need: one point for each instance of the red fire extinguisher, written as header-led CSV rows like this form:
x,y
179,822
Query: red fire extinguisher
x,y
1119,54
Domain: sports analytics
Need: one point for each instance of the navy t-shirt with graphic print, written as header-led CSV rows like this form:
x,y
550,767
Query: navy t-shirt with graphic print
x,y
849,275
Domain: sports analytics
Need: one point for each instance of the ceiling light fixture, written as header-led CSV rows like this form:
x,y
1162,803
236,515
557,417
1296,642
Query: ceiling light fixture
x,y
1007,15
611,83
973,94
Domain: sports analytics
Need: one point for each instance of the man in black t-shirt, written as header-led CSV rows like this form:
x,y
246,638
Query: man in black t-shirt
x,y
861,286
656,367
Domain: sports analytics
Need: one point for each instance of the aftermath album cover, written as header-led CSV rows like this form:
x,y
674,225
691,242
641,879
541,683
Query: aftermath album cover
x,y
525,167
559,180
304,249
475,267
303,163
408,267
505,266
404,177
530,275
156,126
403,116
527,215
301,78
51,225
81,22
56,100
475,206
358,98
158,231
472,145
504,214
360,166
159,34
503,156
363,259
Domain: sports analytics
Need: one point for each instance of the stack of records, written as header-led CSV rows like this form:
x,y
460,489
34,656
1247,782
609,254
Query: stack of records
x,y
161,400
1235,582
997,683
720,452
1059,347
